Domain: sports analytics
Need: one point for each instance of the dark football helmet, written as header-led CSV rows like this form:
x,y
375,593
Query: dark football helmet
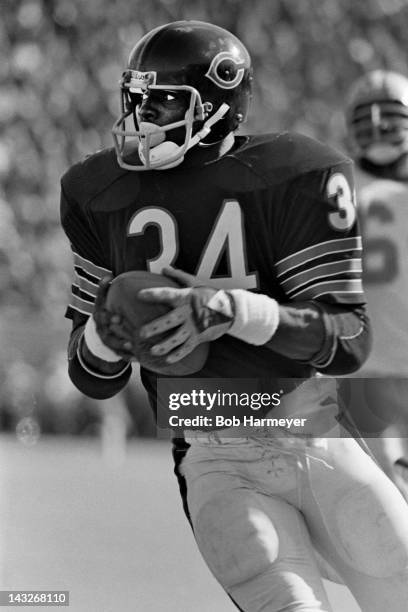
x,y
377,118
207,62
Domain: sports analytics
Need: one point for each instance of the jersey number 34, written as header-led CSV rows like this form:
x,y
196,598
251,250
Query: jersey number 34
x,y
227,236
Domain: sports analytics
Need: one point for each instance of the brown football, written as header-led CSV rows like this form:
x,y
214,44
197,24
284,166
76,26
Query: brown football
x,y
123,299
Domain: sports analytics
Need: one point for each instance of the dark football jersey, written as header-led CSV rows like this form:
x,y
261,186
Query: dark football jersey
x,y
276,215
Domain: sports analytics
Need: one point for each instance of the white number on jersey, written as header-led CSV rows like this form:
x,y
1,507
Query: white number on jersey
x,y
383,212
381,233
338,188
226,236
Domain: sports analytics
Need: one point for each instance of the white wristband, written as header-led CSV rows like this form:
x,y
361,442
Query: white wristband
x,y
256,317
95,344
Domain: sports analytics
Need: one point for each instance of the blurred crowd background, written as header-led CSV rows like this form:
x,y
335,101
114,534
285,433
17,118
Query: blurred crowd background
x,y
60,65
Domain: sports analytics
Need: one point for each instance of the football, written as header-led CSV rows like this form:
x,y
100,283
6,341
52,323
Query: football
x,y
123,299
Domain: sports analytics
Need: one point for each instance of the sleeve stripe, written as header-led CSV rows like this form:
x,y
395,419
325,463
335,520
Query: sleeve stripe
x,y
90,267
84,295
329,247
346,285
85,285
84,274
346,297
345,266
93,372
81,305
77,309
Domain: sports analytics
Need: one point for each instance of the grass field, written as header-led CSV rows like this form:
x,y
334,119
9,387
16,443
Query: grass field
x,y
111,532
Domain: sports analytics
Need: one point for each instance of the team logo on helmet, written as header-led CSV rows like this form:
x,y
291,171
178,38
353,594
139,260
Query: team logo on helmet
x,y
226,70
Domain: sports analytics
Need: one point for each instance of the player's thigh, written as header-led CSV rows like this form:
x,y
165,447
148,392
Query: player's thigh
x,y
258,548
231,522
255,544
372,538
359,520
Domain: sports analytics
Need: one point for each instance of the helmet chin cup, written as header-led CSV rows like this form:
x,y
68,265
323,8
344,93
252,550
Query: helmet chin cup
x,y
154,149
149,134
157,155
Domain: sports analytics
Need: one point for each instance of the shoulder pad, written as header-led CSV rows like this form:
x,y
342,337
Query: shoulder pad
x,y
90,177
281,157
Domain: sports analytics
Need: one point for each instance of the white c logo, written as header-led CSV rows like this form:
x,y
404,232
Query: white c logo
x,y
231,75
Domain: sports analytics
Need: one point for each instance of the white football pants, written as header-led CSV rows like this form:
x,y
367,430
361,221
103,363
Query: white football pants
x,y
260,506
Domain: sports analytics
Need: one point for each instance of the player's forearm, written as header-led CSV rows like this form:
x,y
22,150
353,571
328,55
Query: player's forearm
x,y
336,340
301,333
92,375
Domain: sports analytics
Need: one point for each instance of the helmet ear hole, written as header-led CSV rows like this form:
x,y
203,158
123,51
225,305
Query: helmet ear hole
x,y
208,107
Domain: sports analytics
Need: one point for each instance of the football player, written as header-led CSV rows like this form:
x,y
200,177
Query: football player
x,y
261,233
377,129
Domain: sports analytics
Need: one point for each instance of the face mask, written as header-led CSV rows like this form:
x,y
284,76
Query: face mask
x,y
155,150
382,153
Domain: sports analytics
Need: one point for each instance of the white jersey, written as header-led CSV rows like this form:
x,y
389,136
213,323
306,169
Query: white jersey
x,y
383,212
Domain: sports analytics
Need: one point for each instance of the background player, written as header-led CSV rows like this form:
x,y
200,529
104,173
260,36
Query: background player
x,y
268,226
377,122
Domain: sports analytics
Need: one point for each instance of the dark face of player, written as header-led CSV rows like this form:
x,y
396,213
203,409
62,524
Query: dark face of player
x,y
162,108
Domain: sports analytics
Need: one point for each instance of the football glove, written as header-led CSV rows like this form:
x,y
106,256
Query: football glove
x,y
200,314
203,314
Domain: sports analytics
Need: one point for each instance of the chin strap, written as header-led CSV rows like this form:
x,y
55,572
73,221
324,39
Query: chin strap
x,y
168,149
206,129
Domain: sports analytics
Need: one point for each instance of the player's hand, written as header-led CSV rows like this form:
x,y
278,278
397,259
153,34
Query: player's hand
x,y
111,328
199,314
184,279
